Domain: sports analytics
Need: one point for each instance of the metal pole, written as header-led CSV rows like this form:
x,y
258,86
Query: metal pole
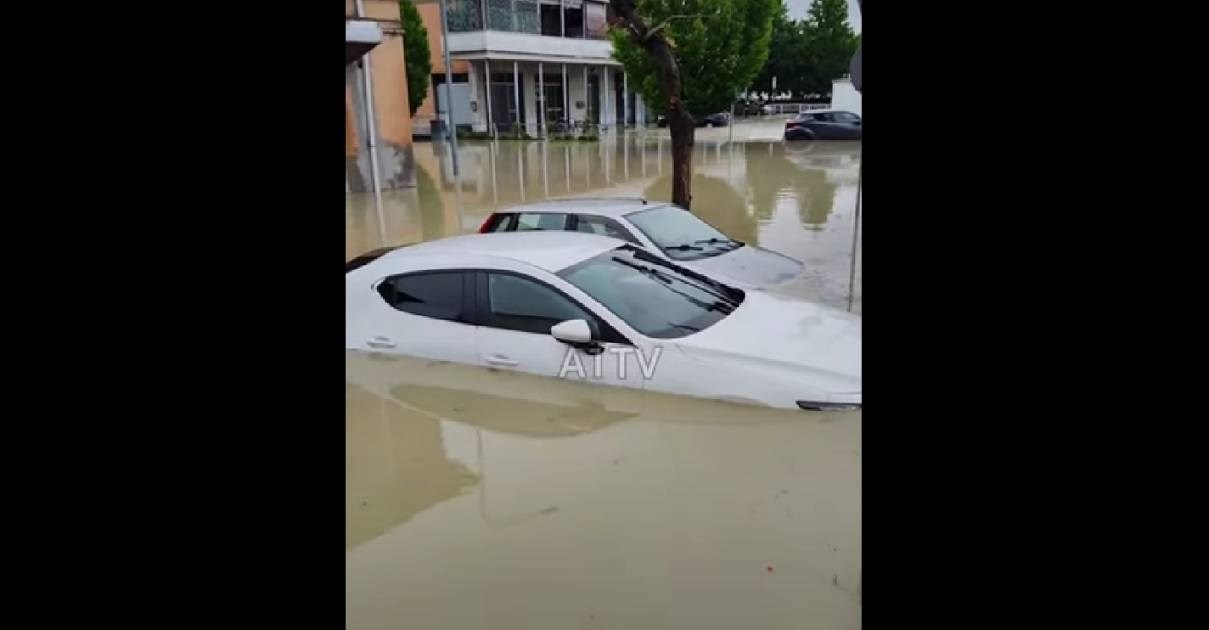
x,y
541,100
566,99
453,130
731,123
856,226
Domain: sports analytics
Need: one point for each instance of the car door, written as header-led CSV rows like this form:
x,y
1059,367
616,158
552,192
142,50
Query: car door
x,y
424,314
823,125
849,125
515,313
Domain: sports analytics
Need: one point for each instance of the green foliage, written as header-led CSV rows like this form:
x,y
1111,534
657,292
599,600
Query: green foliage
x,y
416,54
807,55
719,48
832,42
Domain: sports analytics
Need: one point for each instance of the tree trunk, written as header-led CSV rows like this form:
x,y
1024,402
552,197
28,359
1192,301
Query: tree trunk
x,y
682,159
680,121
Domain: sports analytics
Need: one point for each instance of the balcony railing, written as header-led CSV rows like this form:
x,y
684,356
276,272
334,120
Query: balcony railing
x,y
579,19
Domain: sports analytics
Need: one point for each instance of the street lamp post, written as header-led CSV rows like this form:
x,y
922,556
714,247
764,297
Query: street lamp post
x,y
453,130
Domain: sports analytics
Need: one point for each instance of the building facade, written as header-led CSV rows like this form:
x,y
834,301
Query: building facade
x,y
377,119
535,65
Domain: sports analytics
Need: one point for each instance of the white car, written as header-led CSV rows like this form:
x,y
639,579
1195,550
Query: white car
x,y
663,228
597,309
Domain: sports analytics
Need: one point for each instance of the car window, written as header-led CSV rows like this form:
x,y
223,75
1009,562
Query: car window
x,y
541,221
825,117
518,303
845,117
500,222
603,226
435,294
657,298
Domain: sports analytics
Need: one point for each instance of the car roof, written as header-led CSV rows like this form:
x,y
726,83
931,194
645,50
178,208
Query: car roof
x,y
825,111
549,250
612,207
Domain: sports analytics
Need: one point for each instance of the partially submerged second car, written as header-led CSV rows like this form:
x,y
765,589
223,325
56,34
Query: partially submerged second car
x,y
598,309
665,229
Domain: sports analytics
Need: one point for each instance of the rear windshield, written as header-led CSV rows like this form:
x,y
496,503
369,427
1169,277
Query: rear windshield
x,y
680,233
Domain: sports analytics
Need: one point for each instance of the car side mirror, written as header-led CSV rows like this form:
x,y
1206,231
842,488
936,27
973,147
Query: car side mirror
x,y
577,334
572,331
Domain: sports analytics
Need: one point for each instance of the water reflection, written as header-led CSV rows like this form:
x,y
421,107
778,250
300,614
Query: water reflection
x,y
391,447
795,198
484,499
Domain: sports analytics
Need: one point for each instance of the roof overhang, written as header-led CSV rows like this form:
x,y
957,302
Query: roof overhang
x,y
532,58
360,37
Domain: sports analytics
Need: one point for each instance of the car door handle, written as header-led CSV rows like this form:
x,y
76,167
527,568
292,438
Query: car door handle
x,y
501,360
380,342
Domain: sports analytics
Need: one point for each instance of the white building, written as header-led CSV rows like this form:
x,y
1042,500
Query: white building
x,y
534,63
844,96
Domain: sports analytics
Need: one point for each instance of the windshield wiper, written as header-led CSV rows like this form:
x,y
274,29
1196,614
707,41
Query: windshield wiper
x,y
684,247
724,241
724,245
713,287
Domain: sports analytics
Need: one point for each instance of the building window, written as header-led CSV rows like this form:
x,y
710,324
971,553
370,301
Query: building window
x,y
551,19
575,21
499,15
464,15
594,20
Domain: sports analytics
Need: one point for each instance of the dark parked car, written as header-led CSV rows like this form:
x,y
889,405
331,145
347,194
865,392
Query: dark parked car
x,y
824,124
721,119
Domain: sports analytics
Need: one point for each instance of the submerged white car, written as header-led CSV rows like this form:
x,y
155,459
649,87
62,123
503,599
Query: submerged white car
x,y
666,229
597,309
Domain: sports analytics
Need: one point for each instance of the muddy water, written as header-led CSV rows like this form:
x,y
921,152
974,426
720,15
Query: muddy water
x,y
484,499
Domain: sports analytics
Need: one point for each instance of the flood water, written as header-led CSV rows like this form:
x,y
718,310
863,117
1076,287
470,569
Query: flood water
x,y
487,499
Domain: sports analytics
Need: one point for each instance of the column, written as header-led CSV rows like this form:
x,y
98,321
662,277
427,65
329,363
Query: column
x,y
487,76
516,89
541,102
625,98
473,79
605,119
566,96
585,93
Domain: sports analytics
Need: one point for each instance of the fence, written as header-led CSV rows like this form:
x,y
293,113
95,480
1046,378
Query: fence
x,y
795,108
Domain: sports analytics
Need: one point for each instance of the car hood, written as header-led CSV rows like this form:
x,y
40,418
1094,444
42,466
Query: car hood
x,y
748,265
789,339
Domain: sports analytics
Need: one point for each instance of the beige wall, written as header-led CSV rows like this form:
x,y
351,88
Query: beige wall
x,y
392,118
390,74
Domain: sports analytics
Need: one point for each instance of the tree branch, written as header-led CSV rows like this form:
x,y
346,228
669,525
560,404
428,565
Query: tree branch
x,y
664,24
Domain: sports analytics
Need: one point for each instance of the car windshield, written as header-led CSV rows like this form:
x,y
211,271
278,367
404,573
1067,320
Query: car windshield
x,y
655,297
680,234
